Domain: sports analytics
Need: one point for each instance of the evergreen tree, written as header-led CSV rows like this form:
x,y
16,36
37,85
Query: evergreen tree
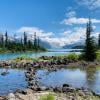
x,y
35,40
30,45
2,41
38,42
6,39
89,52
99,41
25,39
21,41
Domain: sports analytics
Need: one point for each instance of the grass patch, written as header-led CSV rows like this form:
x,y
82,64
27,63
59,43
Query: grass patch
x,y
98,55
73,56
3,50
20,58
47,97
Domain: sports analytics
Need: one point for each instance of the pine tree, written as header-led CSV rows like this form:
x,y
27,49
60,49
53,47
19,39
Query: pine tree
x,y
99,41
89,52
25,39
30,45
6,39
38,42
21,40
2,40
35,40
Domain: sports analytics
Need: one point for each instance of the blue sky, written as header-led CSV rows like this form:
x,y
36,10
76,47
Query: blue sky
x,y
53,20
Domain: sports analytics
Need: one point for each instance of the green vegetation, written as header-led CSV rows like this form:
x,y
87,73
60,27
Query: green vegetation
x,y
73,56
99,41
98,55
47,97
3,50
89,52
20,58
22,45
23,58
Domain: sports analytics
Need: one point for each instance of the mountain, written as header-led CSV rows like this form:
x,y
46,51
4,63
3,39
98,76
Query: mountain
x,y
45,44
76,45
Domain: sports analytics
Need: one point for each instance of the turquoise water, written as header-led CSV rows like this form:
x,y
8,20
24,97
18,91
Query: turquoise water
x,y
16,78
8,56
76,78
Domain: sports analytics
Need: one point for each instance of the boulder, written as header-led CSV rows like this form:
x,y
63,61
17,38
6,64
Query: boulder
x,y
1,98
11,96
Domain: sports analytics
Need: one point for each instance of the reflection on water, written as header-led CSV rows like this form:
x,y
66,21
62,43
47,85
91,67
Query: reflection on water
x,y
12,81
77,78
89,78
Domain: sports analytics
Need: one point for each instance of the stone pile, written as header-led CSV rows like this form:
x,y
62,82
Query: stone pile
x,y
31,78
51,64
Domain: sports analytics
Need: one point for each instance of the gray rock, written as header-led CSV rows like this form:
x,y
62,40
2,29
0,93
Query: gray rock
x,y
11,96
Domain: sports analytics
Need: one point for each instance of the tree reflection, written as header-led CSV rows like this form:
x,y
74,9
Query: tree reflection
x,y
91,75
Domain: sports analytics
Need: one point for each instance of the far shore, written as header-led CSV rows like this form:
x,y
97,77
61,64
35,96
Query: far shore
x,y
5,52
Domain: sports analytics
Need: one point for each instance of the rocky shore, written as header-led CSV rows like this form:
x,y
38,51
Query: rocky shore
x,y
66,93
34,91
48,63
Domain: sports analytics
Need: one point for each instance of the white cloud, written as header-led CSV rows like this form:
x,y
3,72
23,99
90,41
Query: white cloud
x,y
71,14
32,30
75,20
90,4
96,34
75,35
45,36
67,37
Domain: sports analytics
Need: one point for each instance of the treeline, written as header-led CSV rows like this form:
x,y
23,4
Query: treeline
x,y
23,44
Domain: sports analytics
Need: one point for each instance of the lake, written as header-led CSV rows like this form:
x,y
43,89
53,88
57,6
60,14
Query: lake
x,y
74,77
12,81
55,52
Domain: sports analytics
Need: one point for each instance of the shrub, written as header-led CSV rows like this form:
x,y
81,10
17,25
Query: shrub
x,y
73,56
47,97
98,56
23,58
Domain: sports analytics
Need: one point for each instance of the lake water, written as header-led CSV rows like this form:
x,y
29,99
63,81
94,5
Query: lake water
x,y
76,78
8,56
12,81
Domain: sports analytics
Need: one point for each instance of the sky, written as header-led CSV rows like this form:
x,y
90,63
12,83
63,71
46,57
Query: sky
x,y
58,22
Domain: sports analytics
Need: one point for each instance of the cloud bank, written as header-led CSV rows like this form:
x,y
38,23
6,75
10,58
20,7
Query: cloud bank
x,y
75,20
90,4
